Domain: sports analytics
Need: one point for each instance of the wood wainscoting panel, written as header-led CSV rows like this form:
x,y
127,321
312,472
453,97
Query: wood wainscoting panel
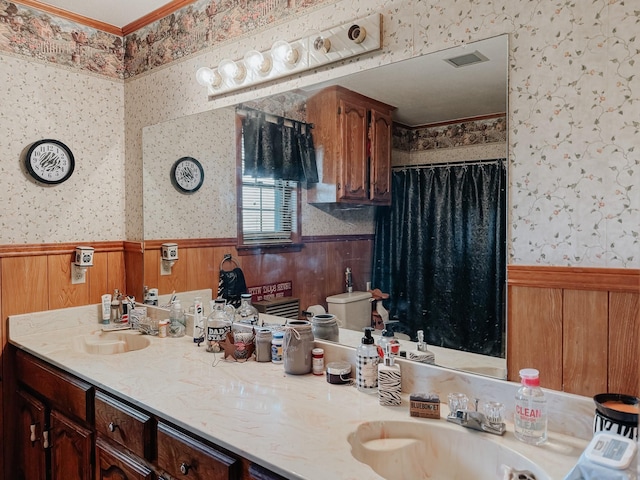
x,y
133,259
115,277
585,342
203,264
624,343
62,294
25,285
97,277
534,334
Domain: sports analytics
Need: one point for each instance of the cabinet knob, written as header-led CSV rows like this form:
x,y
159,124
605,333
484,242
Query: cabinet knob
x,y
112,427
184,468
32,428
45,436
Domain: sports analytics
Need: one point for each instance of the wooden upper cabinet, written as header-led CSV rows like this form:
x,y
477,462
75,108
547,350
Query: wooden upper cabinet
x,y
352,136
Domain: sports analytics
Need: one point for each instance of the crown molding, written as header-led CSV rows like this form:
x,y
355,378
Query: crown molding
x,y
151,17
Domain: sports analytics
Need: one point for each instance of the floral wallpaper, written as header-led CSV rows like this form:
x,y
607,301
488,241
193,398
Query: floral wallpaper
x,y
33,34
29,32
460,134
574,97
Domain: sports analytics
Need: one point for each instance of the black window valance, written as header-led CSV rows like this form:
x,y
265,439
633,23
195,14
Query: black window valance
x,y
279,148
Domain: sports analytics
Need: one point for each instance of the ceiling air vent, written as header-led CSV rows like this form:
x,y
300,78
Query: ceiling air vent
x,y
466,59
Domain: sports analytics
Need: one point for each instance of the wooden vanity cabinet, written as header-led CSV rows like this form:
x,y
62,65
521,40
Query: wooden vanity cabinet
x,y
181,455
30,436
352,137
66,429
113,463
71,447
55,412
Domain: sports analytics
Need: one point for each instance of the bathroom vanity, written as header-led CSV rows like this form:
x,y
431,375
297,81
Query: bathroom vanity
x,y
170,407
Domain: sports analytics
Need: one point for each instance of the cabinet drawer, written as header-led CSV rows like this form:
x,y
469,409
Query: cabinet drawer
x,y
67,394
112,463
179,453
125,425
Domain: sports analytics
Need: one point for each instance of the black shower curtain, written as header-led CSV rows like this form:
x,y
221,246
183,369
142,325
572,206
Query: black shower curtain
x,y
440,252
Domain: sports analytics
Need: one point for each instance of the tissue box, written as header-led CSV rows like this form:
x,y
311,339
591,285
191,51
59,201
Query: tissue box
x,y
424,405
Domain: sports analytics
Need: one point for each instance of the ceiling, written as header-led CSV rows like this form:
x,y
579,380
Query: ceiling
x,y
113,12
429,90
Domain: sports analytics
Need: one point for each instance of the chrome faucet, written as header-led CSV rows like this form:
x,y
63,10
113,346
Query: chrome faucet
x,y
490,422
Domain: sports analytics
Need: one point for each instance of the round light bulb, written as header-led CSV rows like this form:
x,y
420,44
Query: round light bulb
x,y
207,77
204,76
257,62
232,71
284,53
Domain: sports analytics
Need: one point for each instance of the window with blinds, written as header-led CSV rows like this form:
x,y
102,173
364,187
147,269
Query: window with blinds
x,y
269,210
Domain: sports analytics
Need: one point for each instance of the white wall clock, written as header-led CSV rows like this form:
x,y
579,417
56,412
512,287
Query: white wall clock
x,y
187,175
49,161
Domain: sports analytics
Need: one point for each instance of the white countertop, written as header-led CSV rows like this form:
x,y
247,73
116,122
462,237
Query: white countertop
x,y
296,426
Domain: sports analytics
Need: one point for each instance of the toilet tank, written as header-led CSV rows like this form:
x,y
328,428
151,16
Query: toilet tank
x,y
352,309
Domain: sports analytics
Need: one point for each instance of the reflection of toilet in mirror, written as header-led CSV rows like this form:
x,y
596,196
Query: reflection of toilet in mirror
x,y
352,309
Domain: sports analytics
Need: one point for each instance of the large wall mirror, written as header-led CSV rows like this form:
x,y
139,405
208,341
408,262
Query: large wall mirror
x,y
450,109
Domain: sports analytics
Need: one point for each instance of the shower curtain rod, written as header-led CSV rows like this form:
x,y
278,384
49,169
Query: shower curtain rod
x,y
242,110
450,164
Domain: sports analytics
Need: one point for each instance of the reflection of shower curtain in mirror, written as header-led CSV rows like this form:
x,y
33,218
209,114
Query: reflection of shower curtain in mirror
x,y
440,251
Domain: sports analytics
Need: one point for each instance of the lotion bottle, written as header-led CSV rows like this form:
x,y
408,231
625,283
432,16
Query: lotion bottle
x,y
106,308
389,380
367,359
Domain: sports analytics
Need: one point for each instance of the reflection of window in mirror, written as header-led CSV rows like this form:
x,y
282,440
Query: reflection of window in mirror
x,y
268,207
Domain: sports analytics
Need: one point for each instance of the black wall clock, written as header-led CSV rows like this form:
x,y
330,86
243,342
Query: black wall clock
x,y
49,161
187,175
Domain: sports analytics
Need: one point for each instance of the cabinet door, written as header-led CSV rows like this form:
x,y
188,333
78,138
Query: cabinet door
x,y
113,464
353,180
71,449
380,192
180,455
30,446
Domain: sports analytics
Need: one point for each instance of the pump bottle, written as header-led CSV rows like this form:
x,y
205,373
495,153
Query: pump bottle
x,y
367,359
389,380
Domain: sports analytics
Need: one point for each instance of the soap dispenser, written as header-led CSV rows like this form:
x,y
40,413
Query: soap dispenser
x,y
388,337
422,353
367,359
389,380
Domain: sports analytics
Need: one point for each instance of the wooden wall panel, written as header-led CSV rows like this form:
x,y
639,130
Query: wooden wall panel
x,y
202,268
133,259
151,267
585,342
115,277
534,334
97,277
624,343
317,271
25,285
62,294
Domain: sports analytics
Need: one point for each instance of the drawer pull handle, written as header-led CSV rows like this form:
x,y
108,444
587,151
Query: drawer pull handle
x,y
32,428
112,427
45,435
184,468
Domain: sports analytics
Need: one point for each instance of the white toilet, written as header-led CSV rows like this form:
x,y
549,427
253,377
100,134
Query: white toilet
x,y
353,309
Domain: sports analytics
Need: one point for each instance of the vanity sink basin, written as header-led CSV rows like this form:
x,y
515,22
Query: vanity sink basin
x,y
109,343
398,450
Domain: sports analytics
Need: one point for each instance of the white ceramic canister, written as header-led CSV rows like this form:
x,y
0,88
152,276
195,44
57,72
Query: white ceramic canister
x,y
298,343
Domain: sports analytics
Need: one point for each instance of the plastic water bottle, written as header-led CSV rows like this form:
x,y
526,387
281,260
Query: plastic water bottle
x,y
530,417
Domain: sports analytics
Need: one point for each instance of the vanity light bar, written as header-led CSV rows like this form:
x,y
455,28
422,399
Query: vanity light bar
x,y
288,58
